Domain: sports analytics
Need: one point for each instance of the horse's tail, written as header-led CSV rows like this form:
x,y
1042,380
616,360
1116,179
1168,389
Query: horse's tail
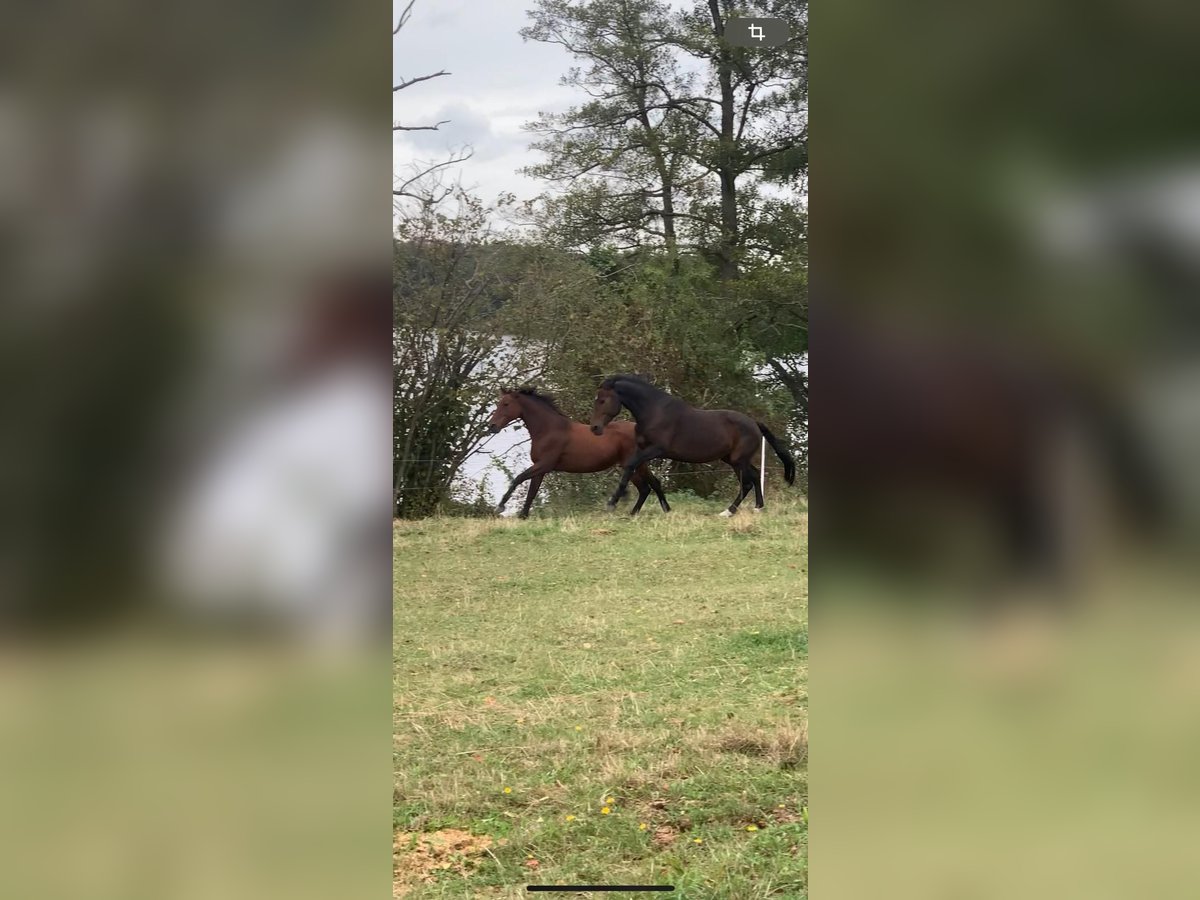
x,y
789,464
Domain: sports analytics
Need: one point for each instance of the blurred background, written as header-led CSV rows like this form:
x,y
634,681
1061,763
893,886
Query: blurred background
x,y
1005,451
1005,210
194,576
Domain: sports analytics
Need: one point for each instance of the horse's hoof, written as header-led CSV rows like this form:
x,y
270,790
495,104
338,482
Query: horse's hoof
x,y
725,513
758,509
522,515
611,506
500,510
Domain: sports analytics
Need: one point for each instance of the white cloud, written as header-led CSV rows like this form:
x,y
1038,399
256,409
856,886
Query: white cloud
x,y
497,83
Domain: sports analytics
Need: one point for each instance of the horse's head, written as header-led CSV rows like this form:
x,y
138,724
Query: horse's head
x,y
606,407
508,409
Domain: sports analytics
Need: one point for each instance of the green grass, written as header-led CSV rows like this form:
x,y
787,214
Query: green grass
x,y
659,661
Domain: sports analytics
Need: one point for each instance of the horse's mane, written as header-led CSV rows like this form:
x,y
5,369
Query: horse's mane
x,y
542,398
639,379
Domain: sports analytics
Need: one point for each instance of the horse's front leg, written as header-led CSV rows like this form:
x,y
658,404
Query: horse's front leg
x,y
638,459
643,489
535,474
519,480
535,485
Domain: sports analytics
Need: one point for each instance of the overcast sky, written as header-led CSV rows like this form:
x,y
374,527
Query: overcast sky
x,y
497,83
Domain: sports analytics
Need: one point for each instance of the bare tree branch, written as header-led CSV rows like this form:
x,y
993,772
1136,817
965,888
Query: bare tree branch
x,y
407,83
411,81
404,17
403,189
399,127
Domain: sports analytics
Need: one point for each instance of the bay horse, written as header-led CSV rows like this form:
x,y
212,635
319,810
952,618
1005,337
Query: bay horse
x,y
667,427
558,444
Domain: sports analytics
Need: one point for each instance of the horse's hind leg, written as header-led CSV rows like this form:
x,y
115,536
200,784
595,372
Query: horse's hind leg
x,y
743,473
756,477
656,486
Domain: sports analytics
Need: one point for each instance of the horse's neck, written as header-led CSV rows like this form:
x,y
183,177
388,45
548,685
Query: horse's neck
x,y
637,398
540,418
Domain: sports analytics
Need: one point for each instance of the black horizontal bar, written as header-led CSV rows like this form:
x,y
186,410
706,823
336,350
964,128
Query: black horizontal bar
x,y
571,888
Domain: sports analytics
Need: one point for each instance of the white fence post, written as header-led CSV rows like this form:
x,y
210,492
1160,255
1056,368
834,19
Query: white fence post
x,y
762,470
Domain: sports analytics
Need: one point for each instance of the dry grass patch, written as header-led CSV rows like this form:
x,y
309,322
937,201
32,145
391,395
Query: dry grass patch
x,y
743,524
786,747
418,858
785,816
665,836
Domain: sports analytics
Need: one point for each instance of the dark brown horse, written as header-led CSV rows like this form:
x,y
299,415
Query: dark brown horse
x,y
558,444
914,412
669,428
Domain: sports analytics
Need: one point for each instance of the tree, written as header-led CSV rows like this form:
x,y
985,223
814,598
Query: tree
x,y
624,152
768,310
445,356
663,153
754,110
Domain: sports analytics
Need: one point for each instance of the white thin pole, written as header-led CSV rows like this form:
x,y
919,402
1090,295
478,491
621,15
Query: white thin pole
x,y
762,471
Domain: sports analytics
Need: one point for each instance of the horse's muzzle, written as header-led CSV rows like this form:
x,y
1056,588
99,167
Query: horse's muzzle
x,y
597,430
494,429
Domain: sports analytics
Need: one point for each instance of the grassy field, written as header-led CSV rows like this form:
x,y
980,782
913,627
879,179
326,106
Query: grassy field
x,y
599,699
